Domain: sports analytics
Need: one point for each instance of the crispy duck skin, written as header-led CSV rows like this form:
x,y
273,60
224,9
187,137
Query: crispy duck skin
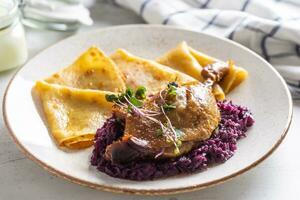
x,y
193,120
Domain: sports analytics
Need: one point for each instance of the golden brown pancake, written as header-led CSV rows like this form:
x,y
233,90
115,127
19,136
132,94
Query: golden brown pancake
x,y
92,70
73,115
150,74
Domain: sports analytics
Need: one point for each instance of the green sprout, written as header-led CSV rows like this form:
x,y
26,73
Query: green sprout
x,y
168,107
140,93
133,97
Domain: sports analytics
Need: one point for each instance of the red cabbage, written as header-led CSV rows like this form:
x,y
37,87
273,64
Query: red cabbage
x,y
235,120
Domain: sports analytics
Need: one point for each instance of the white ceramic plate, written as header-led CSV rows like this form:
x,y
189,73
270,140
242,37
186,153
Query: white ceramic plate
x,y
264,92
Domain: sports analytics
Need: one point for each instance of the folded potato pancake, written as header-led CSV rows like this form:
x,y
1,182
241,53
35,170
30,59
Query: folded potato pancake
x,y
73,115
182,60
202,58
150,74
235,76
92,70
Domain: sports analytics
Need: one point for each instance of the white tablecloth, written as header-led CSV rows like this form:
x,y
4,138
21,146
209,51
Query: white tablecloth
x,y
277,178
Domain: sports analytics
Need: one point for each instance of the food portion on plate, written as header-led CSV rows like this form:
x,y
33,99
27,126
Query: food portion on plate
x,y
73,115
92,70
181,59
148,73
201,66
146,119
166,125
218,148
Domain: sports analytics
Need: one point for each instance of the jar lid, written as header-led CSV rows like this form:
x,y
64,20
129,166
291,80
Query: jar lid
x,y
8,12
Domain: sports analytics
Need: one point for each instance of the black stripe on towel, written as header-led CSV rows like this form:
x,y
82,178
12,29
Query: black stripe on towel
x,y
204,5
143,6
231,35
245,5
263,42
281,55
211,22
257,30
214,23
298,50
277,18
114,3
167,19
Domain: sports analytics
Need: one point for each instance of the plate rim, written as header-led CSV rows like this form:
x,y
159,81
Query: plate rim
x,y
150,192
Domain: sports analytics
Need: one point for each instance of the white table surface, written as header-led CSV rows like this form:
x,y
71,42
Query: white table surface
x,y
276,178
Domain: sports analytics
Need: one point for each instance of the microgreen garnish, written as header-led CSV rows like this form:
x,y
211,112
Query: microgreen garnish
x,y
128,95
111,97
168,106
132,101
172,88
140,93
136,102
129,109
129,92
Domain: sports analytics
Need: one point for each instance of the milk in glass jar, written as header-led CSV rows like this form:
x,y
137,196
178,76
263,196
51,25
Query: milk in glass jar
x,y
13,50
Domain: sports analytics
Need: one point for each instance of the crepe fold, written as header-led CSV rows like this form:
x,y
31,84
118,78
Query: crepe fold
x,y
73,99
92,70
143,72
73,115
191,62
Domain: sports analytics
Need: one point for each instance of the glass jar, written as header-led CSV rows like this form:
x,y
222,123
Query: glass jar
x,y
58,15
13,49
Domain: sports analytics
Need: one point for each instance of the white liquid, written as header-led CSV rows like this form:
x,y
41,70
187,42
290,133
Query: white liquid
x,y
13,49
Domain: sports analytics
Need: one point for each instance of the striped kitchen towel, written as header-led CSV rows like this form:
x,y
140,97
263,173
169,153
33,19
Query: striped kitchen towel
x,y
269,27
